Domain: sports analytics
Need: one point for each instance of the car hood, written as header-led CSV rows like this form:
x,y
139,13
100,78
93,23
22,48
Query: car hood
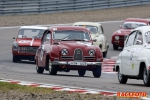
x,y
123,31
28,41
72,45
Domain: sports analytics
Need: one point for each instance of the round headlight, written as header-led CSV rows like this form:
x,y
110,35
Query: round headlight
x,y
64,52
117,37
91,52
15,46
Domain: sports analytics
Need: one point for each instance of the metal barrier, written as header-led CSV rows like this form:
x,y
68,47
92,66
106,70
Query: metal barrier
x,y
11,7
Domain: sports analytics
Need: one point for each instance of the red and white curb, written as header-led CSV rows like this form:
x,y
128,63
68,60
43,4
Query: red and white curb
x,y
63,88
60,87
108,65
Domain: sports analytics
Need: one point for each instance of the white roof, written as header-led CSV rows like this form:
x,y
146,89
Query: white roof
x,y
87,23
34,27
143,28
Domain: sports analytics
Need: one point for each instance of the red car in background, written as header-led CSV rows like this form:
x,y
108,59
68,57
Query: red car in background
x,y
128,25
27,42
66,48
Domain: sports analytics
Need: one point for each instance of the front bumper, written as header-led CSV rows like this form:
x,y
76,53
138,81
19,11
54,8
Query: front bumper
x,y
76,63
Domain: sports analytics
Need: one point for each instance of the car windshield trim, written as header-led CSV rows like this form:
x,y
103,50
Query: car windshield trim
x,y
71,35
133,25
30,33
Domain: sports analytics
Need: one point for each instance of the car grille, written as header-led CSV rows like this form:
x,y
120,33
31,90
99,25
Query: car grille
x,y
70,58
78,54
28,49
89,57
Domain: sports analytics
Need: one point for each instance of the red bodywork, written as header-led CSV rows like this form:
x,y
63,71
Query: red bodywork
x,y
122,33
52,50
26,48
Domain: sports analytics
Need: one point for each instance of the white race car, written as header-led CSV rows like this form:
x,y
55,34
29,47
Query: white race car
x,y
134,61
97,34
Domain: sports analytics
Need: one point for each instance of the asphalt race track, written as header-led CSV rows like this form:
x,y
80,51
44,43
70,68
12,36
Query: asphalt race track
x,y
26,71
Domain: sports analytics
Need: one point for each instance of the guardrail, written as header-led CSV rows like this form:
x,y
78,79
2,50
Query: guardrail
x,y
11,7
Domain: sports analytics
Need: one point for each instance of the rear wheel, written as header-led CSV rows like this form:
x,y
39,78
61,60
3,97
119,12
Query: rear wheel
x,y
146,77
121,78
39,69
81,72
105,53
115,47
97,71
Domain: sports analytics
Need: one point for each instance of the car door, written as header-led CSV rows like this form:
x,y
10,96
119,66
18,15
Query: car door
x,y
42,49
137,47
127,54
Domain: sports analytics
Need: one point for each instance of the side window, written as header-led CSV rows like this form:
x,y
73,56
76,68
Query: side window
x,y
101,30
131,39
46,36
138,39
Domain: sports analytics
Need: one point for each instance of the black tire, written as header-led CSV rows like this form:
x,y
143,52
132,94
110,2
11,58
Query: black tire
x,y
115,47
81,72
121,78
105,53
14,58
53,70
146,77
39,70
97,71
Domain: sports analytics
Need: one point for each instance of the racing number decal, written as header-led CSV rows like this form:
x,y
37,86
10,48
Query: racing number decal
x,y
42,53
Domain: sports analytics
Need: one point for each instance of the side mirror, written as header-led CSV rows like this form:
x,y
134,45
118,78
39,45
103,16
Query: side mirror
x,y
14,37
138,42
119,26
94,40
96,35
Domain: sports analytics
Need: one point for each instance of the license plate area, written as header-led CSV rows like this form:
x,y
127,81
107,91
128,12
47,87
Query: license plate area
x,y
78,63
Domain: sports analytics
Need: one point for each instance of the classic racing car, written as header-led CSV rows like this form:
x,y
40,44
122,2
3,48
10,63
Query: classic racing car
x,y
27,42
119,36
97,33
134,60
66,48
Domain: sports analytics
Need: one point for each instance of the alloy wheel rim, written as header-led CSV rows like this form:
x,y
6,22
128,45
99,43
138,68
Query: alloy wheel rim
x,y
120,76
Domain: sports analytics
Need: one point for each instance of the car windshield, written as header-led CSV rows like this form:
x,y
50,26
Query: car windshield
x,y
71,35
93,29
147,35
132,25
30,33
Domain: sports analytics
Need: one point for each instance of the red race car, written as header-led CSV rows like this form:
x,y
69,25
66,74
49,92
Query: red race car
x,y
128,25
66,48
27,42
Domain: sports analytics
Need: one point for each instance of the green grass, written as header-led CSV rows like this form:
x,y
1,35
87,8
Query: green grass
x,y
5,87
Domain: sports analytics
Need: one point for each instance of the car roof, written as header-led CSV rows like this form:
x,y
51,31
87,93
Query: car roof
x,y
143,28
137,20
87,23
67,28
33,27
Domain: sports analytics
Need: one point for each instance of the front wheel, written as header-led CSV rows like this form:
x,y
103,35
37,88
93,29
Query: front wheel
x,y
14,58
115,47
146,77
97,71
39,69
122,79
81,72
53,68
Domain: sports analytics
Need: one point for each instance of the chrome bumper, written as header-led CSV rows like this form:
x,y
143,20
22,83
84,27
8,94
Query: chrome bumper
x,y
69,63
